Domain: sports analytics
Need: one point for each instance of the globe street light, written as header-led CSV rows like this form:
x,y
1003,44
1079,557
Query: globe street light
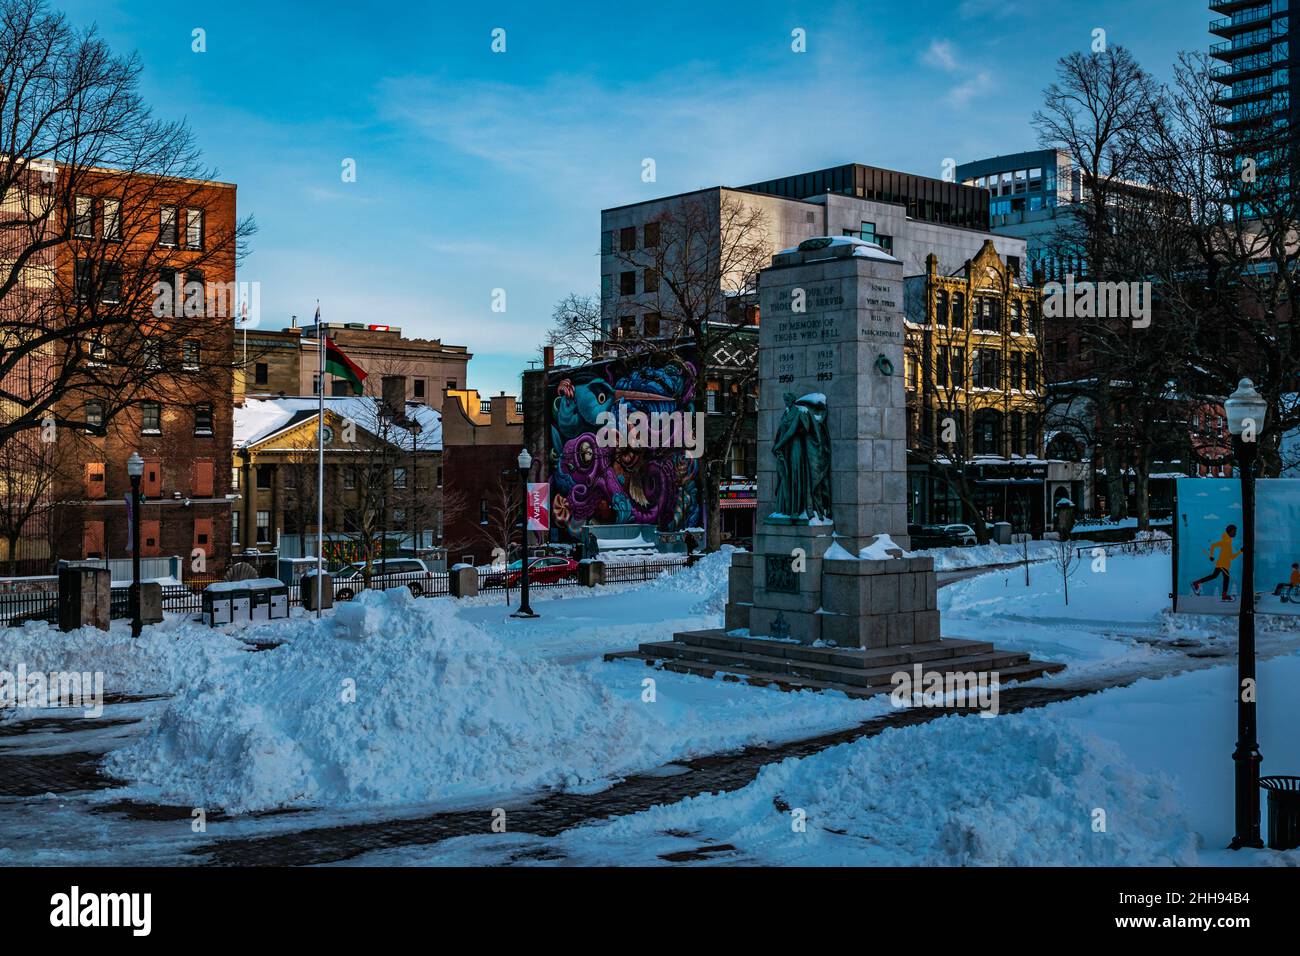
x,y
135,468
1246,409
525,465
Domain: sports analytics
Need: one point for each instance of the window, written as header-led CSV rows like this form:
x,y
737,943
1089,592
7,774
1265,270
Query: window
x,y
234,526
95,414
650,281
1015,371
203,478
167,226
349,477
988,426
151,353
988,314
941,366
607,242
417,388
1017,446
261,373
957,368
83,219
264,477
941,307
110,283
340,388
606,286
1017,317
1031,371
986,368
190,352
315,383
203,419
627,239
111,210
1013,267
650,324
627,283
959,310
483,512
399,477
711,401
81,280
651,240
627,326
94,480
193,228
451,383
150,418
195,299
264,527
234,477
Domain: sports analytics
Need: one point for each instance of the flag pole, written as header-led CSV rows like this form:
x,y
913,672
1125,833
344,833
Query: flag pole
x,y
320,462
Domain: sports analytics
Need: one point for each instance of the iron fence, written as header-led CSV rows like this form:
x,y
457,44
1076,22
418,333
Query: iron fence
x,y
18,607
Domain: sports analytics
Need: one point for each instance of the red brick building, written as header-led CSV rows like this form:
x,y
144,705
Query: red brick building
x,y
173,240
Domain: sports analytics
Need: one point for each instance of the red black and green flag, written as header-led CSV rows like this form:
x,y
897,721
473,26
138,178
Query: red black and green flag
x,y
336,363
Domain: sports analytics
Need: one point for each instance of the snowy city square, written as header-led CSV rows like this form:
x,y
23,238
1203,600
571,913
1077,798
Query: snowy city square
x,y
589,448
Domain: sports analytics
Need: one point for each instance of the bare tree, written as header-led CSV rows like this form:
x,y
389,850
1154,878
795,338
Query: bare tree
x,y
99,276
700,283
1099,111
30,471
576,331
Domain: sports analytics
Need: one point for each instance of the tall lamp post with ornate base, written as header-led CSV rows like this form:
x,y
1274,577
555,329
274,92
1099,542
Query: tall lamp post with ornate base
x,y
525,465
1246,409
135,468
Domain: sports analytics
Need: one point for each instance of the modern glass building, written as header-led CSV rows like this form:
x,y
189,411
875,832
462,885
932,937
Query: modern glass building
x,y
1256,74
926,199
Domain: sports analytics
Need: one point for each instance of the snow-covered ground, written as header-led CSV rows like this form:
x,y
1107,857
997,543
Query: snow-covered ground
x,y
438,703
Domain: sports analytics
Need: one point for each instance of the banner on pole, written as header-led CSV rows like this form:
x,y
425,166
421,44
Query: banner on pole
x,y
130,522
539,506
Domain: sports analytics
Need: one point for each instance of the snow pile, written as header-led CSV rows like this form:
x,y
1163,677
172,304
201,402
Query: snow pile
x,y
423,707
881,548
1019,790
163,657
707,578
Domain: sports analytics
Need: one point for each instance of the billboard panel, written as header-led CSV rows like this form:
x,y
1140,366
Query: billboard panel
x,y
1209,546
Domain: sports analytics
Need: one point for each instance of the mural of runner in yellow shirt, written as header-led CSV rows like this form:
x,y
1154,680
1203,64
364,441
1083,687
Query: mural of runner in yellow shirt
x,y
1222,564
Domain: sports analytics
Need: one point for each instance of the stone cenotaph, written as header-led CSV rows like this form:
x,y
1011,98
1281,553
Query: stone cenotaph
x,y
827,598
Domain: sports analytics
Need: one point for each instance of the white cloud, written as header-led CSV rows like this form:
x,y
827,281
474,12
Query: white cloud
x,y
941,56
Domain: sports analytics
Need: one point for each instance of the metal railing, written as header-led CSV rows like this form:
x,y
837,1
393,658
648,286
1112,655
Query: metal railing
x,y
19,607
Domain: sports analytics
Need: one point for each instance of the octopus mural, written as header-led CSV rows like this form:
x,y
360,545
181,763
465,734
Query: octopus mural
x,y
591,484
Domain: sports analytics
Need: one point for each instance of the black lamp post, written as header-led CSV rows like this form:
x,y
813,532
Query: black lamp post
x,y
135,468
414,426
525,465
1246,409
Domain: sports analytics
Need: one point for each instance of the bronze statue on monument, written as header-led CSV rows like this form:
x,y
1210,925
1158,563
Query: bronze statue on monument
x,y
802,447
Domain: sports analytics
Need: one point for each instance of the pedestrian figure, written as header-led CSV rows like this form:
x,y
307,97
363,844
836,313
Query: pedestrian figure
x,y
1287,588
1222,564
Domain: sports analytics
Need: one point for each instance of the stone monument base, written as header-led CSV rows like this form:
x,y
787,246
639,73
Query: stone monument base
x,y
857,672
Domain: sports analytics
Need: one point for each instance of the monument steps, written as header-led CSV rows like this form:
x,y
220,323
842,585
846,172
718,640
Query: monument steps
x,y
856,672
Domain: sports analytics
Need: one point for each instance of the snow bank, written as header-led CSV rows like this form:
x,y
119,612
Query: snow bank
x,y
1019,790
423,707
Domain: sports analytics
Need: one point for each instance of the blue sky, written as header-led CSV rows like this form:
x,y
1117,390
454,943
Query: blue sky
x,y
478,170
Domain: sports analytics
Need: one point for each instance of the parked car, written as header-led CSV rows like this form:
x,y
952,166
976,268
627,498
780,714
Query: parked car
x,y
392,573
544,570
962,534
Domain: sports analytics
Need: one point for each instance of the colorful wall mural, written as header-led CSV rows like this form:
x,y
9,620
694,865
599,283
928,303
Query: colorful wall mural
x,y
596,482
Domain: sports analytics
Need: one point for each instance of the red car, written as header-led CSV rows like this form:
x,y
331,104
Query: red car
x,y
540,571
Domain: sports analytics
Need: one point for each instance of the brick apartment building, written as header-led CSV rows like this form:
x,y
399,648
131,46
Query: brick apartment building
x,y
481,443
130,238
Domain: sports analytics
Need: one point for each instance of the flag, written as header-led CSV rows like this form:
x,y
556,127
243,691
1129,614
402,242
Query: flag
x,y
539,506
336,363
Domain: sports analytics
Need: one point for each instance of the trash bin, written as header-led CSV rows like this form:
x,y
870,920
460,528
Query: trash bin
x,y
1283,811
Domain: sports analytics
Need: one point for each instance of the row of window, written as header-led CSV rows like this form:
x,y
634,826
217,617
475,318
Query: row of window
x,y
627,236
265,477
201,483
991,431
110,220
152,354
986,369
627,283
93,537
986,314
151,417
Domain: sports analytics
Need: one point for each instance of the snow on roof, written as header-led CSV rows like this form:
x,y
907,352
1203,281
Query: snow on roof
x,y
259,418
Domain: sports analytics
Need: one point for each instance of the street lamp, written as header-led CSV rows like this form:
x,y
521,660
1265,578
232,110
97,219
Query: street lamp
x,y
135,468
1246,409
414,426
525,465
